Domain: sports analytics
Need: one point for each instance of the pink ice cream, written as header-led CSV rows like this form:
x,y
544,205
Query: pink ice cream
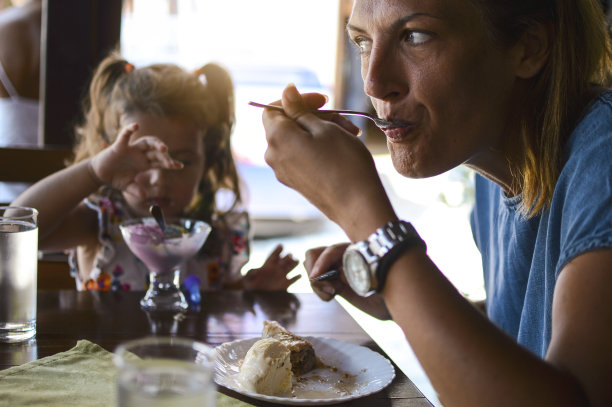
x,y
163,253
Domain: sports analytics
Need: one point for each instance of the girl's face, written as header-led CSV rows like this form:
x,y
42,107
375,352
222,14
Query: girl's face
x,y
172,190
429,64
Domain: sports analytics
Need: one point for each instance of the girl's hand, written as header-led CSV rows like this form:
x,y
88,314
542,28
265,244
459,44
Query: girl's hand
x,y
323,160
272,275
118,164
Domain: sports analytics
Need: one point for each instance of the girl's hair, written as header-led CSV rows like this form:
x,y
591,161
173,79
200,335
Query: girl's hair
x,y
205,97
580,57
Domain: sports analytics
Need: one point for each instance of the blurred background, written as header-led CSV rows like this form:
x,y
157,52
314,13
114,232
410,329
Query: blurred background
x,y
265,45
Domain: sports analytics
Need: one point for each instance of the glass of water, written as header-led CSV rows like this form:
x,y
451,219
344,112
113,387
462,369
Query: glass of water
x,y
165,371
18,272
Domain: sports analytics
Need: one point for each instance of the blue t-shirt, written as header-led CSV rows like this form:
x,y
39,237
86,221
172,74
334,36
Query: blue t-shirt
x,y
522,257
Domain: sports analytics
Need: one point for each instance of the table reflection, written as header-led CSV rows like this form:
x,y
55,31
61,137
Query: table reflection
x,y
110,318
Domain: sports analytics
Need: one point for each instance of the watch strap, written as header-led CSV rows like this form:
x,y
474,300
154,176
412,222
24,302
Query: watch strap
x,y
398,237
385,263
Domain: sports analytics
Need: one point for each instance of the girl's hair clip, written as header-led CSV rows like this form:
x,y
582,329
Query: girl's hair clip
x,y
199,73
128,67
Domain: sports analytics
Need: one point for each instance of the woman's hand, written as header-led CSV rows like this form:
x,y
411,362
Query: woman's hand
x,y
118,164
322,259
323,160
272,275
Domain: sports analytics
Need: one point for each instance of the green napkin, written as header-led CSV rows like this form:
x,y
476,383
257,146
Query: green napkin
x,y
83,376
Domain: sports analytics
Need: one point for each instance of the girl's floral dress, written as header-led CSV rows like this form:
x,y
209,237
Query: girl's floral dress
x,y
115,267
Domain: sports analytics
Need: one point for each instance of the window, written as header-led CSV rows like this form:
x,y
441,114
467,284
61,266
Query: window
x,y
265,45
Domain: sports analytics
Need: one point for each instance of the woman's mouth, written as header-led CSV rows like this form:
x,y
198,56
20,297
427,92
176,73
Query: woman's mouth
x,y
399,132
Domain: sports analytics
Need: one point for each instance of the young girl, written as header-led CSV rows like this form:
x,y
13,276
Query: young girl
x,y
153,135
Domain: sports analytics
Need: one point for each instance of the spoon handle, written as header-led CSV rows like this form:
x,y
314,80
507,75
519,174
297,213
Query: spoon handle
x,y
157,213
328,275
379,122
350,112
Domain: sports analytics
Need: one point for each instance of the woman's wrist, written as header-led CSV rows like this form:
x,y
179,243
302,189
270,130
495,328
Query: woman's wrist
x,y
361,226
369,212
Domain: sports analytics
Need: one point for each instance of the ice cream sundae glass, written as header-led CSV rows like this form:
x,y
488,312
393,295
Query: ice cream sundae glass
x,y
163,252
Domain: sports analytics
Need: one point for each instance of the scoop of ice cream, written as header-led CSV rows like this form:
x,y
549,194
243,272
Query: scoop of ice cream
x,y
145,234
303,358
163,251
267,368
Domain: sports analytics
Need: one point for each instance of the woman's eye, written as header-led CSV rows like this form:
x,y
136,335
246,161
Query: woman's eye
x,y
416,37
363,44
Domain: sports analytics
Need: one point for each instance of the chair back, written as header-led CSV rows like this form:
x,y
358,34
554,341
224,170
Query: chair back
x,y
29,165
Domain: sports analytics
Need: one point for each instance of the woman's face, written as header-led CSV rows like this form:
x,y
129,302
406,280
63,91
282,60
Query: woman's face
x,y
430,65
172,190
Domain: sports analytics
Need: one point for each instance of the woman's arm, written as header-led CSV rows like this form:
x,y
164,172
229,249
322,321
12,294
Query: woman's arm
x,y
469,361
582,324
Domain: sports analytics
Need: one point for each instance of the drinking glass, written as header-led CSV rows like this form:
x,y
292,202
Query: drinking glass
x,y
163,252
165,371
18,272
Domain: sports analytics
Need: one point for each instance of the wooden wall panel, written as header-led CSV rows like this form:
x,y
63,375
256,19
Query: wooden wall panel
x,y
77,34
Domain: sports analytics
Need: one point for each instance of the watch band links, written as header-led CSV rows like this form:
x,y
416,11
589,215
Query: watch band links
x,y
389,242
392,255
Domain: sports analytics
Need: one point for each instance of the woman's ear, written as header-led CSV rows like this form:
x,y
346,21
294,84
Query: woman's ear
x,y
534,48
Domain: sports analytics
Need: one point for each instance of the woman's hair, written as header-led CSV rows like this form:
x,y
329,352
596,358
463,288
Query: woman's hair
x,y
580,57
205,97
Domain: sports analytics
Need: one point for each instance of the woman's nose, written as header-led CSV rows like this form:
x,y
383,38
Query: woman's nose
x,y
381,71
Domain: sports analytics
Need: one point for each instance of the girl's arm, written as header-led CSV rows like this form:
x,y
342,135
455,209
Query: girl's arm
x,y
64,220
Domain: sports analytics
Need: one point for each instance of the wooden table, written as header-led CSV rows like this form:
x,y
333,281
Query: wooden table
x,y
108,318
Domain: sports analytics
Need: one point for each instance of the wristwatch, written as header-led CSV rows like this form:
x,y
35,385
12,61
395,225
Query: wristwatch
x,y
366,263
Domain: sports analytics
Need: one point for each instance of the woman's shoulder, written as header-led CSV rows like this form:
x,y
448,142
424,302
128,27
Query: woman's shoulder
x,y
587,164
599,104
604,97
594,129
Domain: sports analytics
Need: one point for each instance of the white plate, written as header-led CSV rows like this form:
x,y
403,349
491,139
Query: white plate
x,y
360,370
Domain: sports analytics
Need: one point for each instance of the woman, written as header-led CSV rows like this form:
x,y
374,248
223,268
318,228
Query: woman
x,y
515,91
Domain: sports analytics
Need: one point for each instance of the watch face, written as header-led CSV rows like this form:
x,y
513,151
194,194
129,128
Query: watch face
x,y
357,272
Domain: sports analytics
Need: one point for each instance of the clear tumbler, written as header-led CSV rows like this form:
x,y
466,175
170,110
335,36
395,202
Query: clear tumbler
x,y
18,272
165,371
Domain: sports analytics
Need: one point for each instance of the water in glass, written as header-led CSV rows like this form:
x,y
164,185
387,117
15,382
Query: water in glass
x,y
18,273
166,383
